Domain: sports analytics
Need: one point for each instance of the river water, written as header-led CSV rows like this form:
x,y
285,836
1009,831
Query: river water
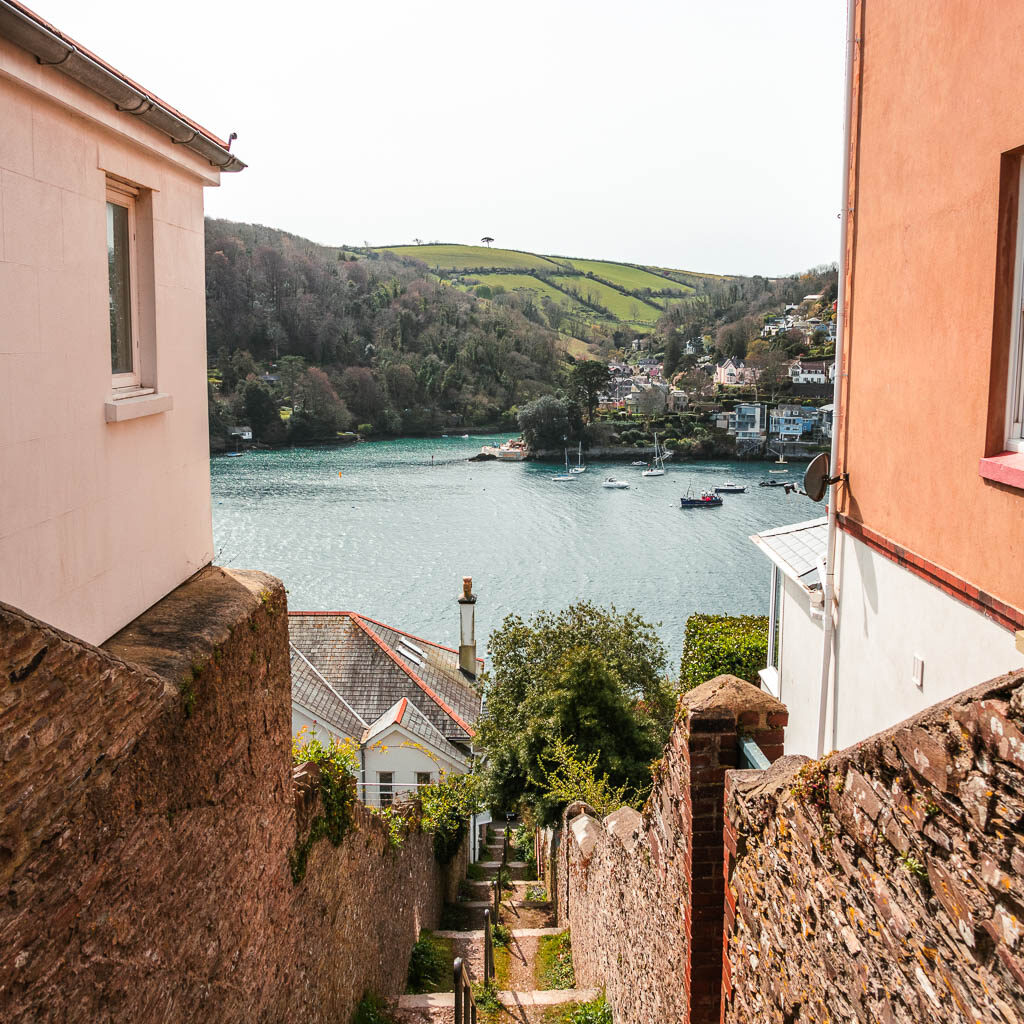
x,y
380,529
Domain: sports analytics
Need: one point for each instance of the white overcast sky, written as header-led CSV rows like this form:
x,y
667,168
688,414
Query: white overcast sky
x,y
699,134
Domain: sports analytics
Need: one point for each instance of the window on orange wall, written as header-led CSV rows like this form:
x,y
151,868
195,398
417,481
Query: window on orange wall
x,y
1015,382
123,276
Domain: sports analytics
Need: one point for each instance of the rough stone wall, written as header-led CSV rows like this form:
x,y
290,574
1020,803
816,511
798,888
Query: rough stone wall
x,y
886,882
623,887
147,811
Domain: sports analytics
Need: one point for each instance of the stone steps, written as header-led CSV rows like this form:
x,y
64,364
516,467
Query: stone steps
x,y
538,997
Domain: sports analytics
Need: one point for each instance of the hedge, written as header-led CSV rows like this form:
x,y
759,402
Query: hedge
x,y
723,644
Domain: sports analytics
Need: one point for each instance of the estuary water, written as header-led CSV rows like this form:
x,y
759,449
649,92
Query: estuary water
x,y
389,528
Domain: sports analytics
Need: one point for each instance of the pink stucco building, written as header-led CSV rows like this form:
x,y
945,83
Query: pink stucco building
x,y
104,465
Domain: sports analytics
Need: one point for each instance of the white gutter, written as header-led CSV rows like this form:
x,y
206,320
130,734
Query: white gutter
x,y
837,390
51,49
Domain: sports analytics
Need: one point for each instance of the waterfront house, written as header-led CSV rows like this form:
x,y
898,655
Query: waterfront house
x,y
793,422
929,543
677,400
409,705
104,453
748,421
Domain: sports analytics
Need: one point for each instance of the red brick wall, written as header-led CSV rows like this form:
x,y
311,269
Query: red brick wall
x,y
719,711
886,882
147,816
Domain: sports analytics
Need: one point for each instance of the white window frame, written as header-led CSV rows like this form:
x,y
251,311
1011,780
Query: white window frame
x,y
122,194
1015,374
385,788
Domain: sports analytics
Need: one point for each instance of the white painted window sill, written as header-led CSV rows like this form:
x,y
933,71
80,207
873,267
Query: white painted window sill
x,y
769,680
120,409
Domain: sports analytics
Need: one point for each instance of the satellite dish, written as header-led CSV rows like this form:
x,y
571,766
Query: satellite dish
x,y
816,479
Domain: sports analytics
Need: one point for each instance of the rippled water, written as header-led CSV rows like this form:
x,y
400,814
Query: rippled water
x,y
393,535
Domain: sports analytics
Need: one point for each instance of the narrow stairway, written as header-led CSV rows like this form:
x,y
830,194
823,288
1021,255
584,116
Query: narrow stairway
x,y
529,916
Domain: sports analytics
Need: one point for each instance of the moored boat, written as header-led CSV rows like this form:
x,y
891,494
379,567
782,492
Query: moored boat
x,y
708,499
613,484
729,487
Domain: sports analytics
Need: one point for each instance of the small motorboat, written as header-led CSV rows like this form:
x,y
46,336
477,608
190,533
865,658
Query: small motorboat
x,y
639,462
772,483
730,488
233,455
778,470
562,477
616,485
708,499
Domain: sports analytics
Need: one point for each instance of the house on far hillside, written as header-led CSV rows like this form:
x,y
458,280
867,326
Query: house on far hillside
x,y
409,705
812,371
735,371
104,456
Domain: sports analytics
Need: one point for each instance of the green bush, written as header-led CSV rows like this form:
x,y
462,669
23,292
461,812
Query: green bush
x,y
447,807
429,965
522,842
718,644
372,1010
365,429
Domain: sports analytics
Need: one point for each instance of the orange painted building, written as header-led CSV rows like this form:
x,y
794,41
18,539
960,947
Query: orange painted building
x,y
929,550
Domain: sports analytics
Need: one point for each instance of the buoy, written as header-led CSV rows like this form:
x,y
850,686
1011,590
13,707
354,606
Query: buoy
x,y
339,472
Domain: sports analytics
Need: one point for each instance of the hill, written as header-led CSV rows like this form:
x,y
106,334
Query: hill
x,y
307,341
593,293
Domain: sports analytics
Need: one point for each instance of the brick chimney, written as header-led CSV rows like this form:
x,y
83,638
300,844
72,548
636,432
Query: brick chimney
x,y
467,623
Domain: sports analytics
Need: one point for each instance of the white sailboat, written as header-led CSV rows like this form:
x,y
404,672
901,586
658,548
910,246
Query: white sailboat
x,y
657,468
579,467
567,475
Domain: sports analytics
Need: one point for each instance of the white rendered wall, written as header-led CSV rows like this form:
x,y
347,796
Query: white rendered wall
x,y
97,520
386,753
799,667
887,615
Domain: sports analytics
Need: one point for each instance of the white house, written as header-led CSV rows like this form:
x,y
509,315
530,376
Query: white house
x,y
409,705
812,371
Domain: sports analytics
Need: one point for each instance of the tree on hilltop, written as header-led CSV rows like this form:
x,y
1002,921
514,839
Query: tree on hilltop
x,y
487,240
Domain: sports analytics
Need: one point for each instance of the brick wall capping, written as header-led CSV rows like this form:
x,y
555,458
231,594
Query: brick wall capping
x,y
732,695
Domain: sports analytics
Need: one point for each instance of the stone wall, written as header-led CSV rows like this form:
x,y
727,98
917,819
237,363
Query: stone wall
x,y
147,811
623,887
886,882
643,894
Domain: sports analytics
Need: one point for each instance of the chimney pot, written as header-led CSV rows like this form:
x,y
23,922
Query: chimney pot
x,y
467,628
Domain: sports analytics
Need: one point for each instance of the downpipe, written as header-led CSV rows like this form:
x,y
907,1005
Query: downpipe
x,y
830,605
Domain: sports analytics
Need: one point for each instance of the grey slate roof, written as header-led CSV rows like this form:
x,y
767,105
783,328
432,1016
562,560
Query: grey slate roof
x,y
320,699
372,666
796,549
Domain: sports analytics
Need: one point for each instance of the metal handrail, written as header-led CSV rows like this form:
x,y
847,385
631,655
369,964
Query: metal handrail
x,y
504,848
489,969
465,1004
751,755
496,886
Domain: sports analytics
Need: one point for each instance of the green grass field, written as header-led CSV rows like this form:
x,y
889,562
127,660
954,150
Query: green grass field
x,y
458,257
513,282
631,278
620,305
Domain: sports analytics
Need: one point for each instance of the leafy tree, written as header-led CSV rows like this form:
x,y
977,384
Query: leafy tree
x,y
261,409
588,380
673,353
587,676
549,422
